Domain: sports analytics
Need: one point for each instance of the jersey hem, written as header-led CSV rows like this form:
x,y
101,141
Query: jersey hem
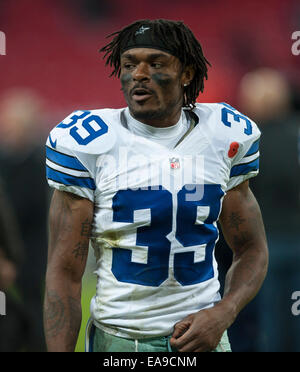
x,y
119,333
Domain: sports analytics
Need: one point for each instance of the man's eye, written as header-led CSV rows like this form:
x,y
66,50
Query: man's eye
x,y
156,65
128,66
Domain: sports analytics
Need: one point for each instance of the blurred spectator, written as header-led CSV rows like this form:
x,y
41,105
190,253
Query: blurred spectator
x,y
93,10
23,174
265,96
14,325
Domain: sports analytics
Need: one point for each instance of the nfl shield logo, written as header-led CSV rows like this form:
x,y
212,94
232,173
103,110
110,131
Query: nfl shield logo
x,y
174,163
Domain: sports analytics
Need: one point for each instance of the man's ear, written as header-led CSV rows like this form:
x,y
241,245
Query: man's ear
x,y
187,75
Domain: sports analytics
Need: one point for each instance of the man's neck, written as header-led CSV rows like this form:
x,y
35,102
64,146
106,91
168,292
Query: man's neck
x,y
159,121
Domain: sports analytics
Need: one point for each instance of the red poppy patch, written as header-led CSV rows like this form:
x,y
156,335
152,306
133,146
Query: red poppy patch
x,y
233,149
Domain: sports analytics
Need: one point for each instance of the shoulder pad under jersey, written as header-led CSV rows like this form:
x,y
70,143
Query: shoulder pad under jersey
x,y
86,131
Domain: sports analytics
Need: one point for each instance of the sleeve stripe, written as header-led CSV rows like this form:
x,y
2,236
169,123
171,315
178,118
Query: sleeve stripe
x,y
249,159
242,169
64,160
69,171
254,148
69,180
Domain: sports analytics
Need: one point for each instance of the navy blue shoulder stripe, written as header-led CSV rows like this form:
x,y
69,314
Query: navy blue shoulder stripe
x,y
254,148
69,180
242,169
64,160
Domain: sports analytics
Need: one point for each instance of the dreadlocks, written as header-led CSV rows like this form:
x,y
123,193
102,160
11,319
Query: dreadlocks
x,y
179,39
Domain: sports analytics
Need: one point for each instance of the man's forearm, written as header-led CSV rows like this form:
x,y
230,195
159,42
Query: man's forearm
x,y
244,279
70,220
62,313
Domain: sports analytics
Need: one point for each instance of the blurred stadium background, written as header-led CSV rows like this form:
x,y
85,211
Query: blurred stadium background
x,y
52,66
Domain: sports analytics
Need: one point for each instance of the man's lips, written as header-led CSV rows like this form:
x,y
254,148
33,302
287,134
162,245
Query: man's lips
x,y
141,94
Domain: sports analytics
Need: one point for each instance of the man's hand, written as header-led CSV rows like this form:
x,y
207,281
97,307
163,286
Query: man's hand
x,y
201,331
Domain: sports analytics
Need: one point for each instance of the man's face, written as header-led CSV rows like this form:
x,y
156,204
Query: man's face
x,y
152,83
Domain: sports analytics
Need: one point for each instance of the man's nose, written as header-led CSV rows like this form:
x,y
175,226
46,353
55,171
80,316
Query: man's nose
x,y
141,72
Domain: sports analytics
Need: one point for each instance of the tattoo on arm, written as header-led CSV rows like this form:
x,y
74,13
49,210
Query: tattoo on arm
x,y
86,228
54,314
70,222
62,318
243,223
61,222
235,220
244,232
81,250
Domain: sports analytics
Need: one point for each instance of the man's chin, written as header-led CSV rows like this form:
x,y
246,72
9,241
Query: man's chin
x,y
145,114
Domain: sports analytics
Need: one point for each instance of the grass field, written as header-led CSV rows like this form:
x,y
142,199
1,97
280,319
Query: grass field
x,y
88,291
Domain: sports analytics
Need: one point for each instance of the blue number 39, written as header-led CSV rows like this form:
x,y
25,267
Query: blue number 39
x,y
90,132
197,236
237,117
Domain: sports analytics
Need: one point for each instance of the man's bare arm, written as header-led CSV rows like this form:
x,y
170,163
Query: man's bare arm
x,y
70,221
243,230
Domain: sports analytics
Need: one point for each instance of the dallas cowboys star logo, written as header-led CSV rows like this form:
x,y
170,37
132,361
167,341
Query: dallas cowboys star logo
x,y
142,30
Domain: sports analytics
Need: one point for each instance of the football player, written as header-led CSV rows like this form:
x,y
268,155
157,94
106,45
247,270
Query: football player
x,y
146,185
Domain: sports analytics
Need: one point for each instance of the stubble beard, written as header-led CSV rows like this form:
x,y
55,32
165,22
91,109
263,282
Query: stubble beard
x,y
159,114
148,115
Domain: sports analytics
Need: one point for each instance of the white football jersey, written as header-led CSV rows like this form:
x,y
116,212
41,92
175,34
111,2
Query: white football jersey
x,y
156,209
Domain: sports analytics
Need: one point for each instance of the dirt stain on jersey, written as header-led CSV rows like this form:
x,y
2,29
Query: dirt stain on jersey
x,y
109,239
